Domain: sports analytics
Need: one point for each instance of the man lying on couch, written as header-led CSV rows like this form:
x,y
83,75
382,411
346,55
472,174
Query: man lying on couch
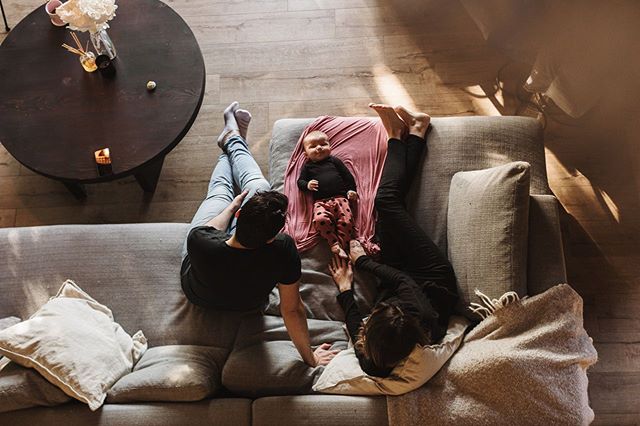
x,y
234,254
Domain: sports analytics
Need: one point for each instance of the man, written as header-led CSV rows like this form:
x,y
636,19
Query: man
x,y
234,254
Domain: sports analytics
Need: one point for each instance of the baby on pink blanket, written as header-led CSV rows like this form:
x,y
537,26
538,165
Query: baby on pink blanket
x,y
361,145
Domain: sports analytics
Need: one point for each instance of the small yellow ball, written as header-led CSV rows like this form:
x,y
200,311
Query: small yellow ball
x,y
151,85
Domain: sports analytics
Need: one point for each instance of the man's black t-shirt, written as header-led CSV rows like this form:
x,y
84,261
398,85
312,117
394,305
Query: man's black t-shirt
x,y
215,275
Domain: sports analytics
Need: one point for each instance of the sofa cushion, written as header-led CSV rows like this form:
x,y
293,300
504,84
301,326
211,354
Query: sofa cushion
x,y
264,361
488,227
217,411
133,268
73,341
320,410
22,387
171,373
344,375
318,291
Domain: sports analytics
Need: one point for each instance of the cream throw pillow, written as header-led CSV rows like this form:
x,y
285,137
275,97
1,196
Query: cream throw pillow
x,y
74,343
343,375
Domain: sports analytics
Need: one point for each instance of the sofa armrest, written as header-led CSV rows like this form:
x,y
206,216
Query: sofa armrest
x,y
545,263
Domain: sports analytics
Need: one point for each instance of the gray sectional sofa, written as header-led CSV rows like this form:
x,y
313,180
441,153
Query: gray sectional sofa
x,y
134,269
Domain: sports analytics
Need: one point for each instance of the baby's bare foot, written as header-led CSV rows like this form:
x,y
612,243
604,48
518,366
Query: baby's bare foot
x,y
418,122
336,249
392,123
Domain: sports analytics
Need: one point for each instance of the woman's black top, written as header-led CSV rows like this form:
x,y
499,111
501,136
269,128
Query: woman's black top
x,y
399,289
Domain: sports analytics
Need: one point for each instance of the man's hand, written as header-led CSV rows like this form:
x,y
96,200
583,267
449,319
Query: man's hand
x,y
312,185
323,355
352,195
237,201
342,273
355,251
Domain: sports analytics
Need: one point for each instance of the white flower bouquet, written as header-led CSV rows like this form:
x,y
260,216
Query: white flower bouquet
x,y
87,15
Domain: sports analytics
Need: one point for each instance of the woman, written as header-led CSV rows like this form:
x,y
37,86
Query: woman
x,y
418,286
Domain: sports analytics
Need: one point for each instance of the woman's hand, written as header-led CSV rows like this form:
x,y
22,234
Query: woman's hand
x,y
323,355
355,251
342,273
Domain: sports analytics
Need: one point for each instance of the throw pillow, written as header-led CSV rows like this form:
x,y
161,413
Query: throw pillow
x,y
343,375
487,231
74,343
172,373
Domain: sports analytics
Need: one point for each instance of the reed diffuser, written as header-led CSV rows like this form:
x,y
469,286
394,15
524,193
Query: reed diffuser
x,y
87,58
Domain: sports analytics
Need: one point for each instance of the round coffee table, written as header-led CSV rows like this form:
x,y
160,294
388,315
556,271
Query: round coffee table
x,y
54,115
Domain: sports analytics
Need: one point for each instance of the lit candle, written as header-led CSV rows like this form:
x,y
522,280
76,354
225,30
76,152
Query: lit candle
x,y
102,156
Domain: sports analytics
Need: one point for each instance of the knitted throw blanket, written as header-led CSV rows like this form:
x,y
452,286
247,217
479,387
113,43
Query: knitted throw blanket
x,y
525,364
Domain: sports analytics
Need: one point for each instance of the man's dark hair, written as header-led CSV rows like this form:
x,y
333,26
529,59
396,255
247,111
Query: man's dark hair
x,y
261,218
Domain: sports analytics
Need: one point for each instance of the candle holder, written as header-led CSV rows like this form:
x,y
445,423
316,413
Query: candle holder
x,y
88,61
103,161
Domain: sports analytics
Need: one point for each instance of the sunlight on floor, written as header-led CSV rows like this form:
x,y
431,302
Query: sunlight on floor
x,y
482,102
595,202
390,88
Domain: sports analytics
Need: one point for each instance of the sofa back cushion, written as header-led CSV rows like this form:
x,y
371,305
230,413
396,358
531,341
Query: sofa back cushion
x,y
134,269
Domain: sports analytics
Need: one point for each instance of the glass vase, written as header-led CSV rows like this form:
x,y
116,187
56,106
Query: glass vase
x,y
103,44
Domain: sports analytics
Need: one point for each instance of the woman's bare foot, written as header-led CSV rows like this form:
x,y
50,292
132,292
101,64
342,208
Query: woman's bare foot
x,y
336,249
230,125
396,128
418,122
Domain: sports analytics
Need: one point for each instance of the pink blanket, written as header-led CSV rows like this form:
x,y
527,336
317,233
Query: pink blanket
x,y
361,143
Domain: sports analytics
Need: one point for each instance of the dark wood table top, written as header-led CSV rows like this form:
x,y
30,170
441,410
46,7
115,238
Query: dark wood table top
x,y
54,115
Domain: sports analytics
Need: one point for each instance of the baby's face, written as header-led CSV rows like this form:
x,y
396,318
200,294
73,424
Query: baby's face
x,y
317,148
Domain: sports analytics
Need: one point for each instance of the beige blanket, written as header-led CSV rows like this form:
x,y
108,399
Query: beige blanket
x,y
523,365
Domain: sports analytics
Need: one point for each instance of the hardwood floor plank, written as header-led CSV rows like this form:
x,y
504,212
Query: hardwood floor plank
x,y
329,4
291,55
7,218
264,27
615,393
9,166
326,84
188,8
632,419
617,358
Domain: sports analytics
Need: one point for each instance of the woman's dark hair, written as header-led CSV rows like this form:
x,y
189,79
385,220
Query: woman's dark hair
x,y
261,218
389,336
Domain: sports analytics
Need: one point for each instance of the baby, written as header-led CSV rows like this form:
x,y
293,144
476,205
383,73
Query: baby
x,y
332,186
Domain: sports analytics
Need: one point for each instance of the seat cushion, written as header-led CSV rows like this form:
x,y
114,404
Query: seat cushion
x,y
488,220
265,362
172,373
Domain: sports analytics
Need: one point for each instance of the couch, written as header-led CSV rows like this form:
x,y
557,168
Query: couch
x,y
134,269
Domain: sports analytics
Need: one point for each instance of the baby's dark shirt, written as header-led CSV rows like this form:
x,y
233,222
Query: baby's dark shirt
x,y
334,179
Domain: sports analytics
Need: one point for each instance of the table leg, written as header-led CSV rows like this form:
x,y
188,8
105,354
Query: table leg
x,y
4,17
148,176
77,189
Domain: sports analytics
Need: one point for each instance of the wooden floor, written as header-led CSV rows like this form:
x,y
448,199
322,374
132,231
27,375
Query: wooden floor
x,y
303,58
